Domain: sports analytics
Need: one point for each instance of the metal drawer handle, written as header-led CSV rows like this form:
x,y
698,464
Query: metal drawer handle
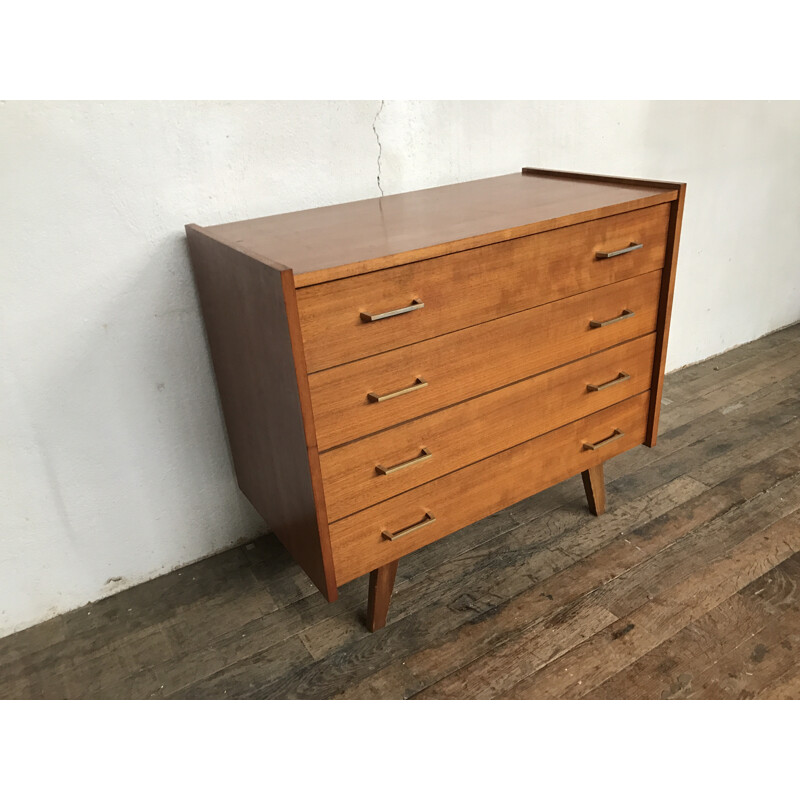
x,y
373,397
598,387
426,454
426,520
626,314
629,249
416,305
618,434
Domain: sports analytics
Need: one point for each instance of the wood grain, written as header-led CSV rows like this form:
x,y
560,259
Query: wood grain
x,y
249,315
479,359
468,432
474,286
481,489
333,242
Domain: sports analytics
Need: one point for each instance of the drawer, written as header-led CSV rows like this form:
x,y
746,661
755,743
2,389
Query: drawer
x,y
396,527
454,367
376,467
357,317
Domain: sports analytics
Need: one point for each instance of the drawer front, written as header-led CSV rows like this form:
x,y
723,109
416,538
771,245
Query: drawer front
x,y
351,318
392,529
454,367
385,464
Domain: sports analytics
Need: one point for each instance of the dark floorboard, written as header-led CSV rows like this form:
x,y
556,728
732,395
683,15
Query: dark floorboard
x,y
688,587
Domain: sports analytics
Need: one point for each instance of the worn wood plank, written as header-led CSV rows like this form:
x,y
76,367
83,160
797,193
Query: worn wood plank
x,y
204,609
565,587
249,622
208,633
611,561
496,572
213,653
247,675
621,492
743,376
785,687
768,426
627,591
702,545
670,670
468,594
755,663
394,682
694,656
779,589
589,664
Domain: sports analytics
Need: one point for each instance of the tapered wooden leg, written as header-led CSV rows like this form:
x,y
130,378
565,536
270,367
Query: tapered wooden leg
x,y
381,583
595,485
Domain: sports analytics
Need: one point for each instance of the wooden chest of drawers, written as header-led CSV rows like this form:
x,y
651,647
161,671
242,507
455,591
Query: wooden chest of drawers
x,y
392,370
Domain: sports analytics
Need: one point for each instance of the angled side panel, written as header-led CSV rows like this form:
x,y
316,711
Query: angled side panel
x,y
254,350
665,186
665,314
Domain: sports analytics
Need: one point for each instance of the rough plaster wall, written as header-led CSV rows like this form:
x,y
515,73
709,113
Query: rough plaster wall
x,y
114,462
113,456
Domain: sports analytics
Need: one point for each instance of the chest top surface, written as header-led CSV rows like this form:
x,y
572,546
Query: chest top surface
x,y
336,241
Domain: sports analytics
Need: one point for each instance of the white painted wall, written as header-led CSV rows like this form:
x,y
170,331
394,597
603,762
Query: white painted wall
x,y
113,456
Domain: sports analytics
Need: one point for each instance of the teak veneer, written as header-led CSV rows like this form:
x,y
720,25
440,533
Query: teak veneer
x,y
392,370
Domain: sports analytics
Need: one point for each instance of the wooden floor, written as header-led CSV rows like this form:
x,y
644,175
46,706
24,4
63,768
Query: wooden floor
x,y
688,587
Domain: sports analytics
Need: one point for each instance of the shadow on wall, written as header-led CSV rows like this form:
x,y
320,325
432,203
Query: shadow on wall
x,y
740,212
131,434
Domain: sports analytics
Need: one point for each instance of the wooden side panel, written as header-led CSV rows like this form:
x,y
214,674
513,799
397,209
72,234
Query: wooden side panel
x,y
615,180
251,322
665,314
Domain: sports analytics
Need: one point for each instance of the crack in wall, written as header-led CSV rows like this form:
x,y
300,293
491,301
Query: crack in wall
x,y
380,147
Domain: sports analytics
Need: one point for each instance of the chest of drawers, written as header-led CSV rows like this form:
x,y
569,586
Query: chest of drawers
x,y
392,370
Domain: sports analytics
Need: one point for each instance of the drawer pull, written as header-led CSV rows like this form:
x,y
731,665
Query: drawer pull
x,y
426,520
373,397
415,306
626,314
426,454
618,434
629,249
598,387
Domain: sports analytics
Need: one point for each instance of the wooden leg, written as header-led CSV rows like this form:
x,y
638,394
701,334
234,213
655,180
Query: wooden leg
x,y
381,583
595,486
